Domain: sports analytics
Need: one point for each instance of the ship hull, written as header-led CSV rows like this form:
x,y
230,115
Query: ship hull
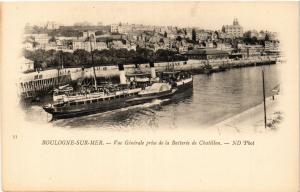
x,y
103,107
86,109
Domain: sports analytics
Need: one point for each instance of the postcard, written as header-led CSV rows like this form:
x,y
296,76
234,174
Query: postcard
x,y
150,96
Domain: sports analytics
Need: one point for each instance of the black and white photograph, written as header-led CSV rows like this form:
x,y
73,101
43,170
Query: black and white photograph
x,y
150,96
128,75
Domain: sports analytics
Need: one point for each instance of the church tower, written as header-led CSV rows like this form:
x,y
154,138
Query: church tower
x,y
235,21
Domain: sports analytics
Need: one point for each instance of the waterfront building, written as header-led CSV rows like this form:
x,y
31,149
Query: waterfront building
x,y
271,46
234,30
252,50
224,47
207,54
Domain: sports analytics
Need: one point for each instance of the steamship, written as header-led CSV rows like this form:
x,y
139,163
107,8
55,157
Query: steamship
x,y
130,92
95,99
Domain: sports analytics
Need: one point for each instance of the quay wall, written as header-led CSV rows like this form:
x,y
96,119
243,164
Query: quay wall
x,y
48,79
190,65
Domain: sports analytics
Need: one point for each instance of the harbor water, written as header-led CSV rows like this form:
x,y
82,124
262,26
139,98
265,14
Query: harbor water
x,y
215,97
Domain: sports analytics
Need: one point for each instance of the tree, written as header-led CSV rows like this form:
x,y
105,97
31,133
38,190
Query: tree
x,y
144,54
218,35
67,42
178,38
254,40
35,44
49,58
38,57
44,65
215,44
247,34
194,35
81,57
165,34
267,37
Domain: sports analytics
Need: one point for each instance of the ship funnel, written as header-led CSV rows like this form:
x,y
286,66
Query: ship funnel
x,y
122,74
152,68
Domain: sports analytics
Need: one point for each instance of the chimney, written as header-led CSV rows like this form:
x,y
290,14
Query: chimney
x,y
152,68
122,74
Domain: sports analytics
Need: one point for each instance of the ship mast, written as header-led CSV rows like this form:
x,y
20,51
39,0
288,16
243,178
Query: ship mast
x,y
93,65
58,69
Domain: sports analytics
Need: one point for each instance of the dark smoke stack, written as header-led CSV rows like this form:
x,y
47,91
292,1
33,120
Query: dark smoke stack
x,y
152,68
122,74
121,67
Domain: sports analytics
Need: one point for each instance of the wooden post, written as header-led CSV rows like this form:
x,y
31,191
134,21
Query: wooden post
x,y
264,95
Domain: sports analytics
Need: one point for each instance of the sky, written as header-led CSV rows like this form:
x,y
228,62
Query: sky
x,y
206,15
